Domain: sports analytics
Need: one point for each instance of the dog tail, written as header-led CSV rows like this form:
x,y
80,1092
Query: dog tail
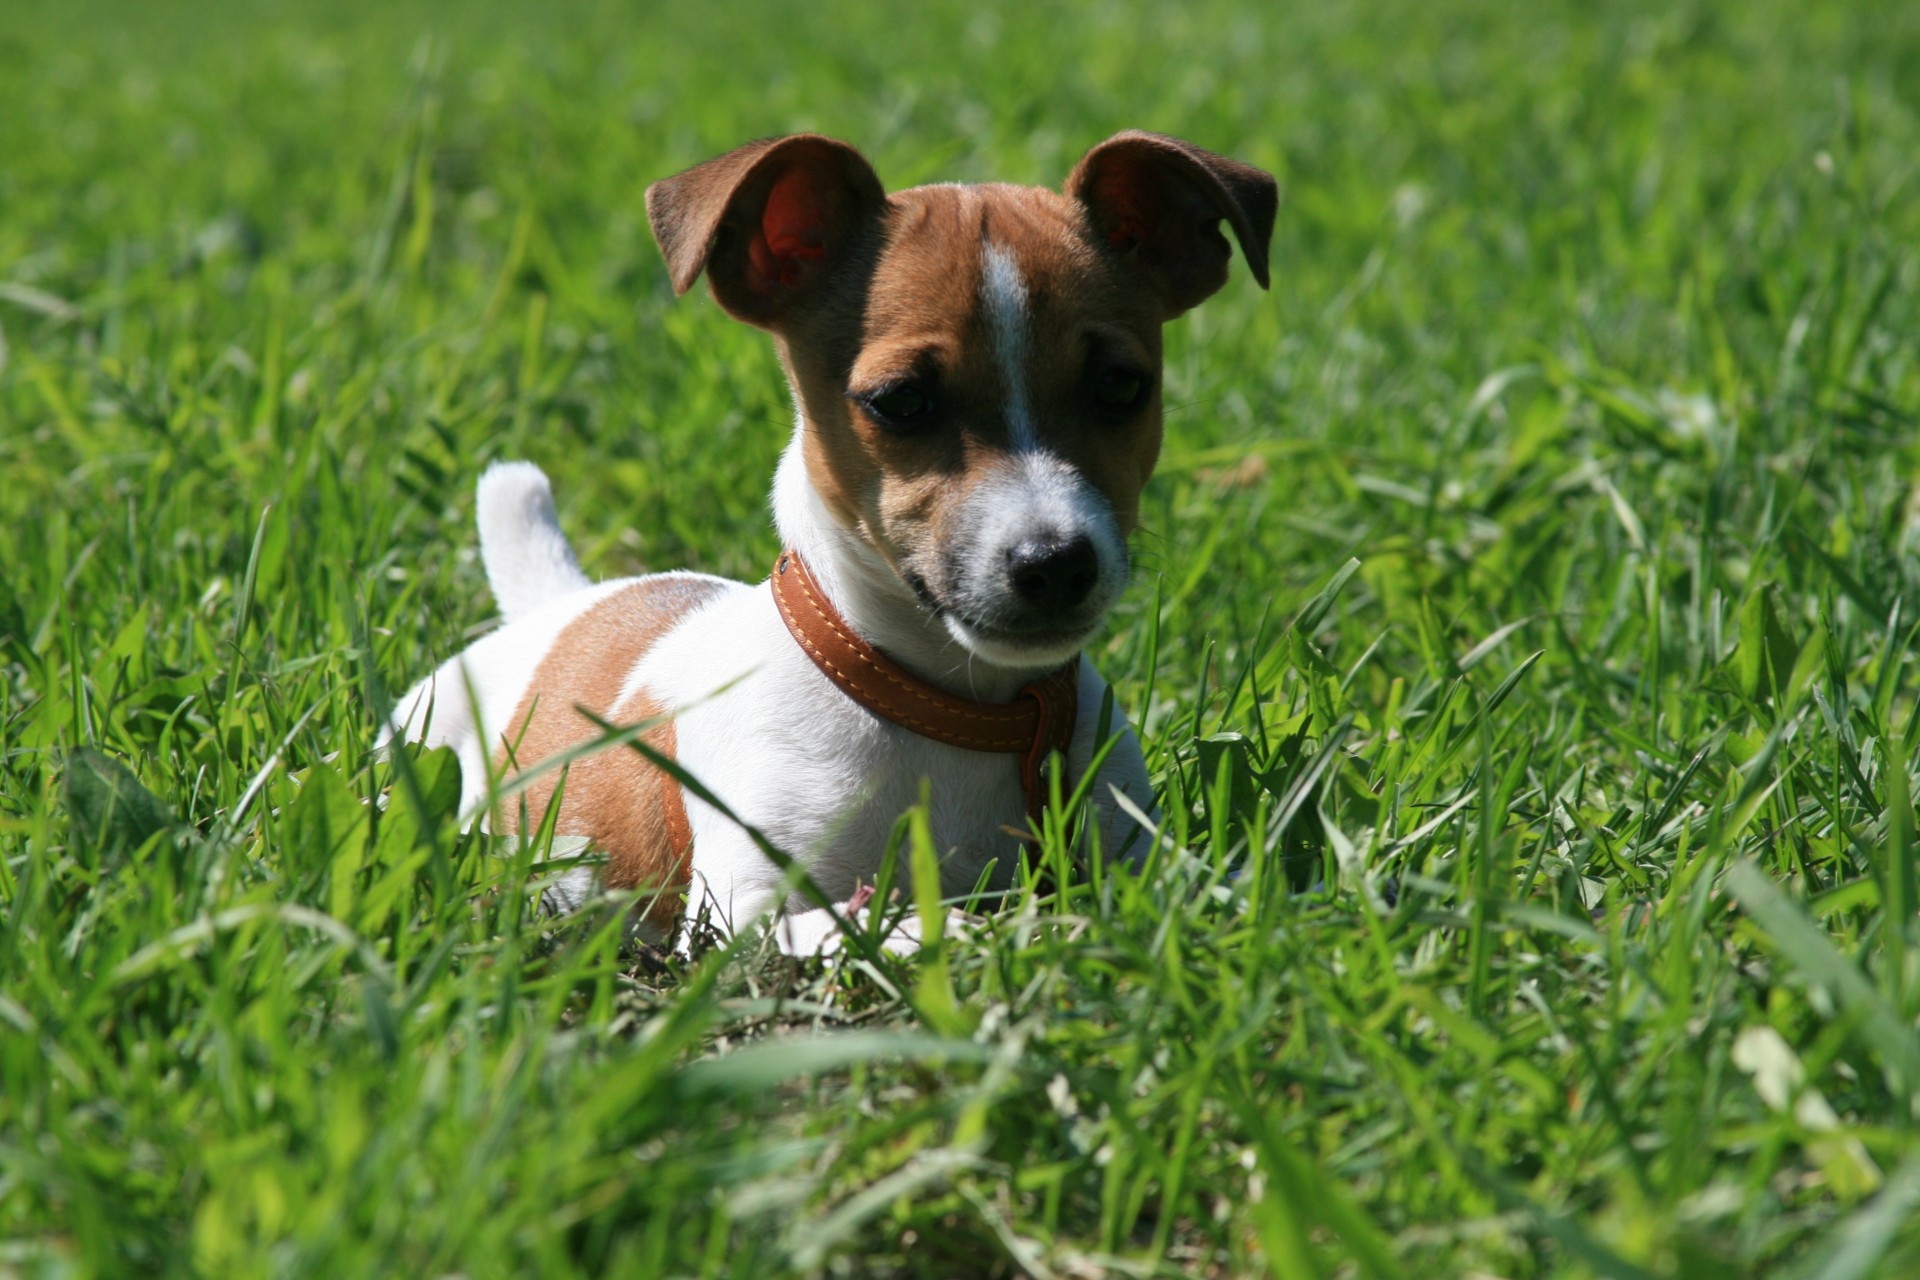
x,y
527,556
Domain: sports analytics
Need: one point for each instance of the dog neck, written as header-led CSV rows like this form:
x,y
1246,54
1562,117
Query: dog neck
x,y
870,596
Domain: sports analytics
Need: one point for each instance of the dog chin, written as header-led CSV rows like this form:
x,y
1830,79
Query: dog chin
x,y
1033,652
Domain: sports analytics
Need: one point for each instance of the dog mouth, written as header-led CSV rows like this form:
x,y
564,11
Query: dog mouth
x,y
924,594
1025,646
1008,641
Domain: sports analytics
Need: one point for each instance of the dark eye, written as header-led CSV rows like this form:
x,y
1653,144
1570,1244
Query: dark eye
x,y
901,406
1119,388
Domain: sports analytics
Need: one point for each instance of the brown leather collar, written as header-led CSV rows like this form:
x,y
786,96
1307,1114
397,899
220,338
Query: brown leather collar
x,y
1039,720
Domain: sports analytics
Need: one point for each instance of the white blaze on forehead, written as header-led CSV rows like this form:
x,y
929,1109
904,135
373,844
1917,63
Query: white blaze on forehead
x,y
1003,296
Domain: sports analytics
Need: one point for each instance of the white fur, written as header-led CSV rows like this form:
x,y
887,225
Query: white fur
x,y
469,701
1038,496
1034,496
871,597
529,561
778,743
1003,296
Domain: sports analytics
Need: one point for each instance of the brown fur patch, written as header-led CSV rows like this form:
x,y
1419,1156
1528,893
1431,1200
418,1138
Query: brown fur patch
x,y
615,798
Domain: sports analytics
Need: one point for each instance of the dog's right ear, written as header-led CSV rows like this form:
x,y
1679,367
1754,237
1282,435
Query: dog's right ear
x,y
768,222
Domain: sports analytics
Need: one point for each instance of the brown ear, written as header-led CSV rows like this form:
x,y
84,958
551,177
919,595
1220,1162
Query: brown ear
x,y
768,222
1159,201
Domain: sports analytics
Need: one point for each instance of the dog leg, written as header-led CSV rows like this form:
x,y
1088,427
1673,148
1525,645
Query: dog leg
x,y
814,933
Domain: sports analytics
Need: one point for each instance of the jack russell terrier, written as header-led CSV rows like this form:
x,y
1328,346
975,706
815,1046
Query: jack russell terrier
x,y
977,376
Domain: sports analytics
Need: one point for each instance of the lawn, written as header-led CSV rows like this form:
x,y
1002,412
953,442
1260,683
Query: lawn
x,y
1522,636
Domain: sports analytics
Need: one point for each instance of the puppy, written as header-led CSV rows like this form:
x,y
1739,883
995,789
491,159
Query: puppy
x,y
977,376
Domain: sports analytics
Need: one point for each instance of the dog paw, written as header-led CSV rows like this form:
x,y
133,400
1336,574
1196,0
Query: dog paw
x,y
814,933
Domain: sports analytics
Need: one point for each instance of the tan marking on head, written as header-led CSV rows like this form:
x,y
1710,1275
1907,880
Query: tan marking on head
x,y
924,316
615,798
797,236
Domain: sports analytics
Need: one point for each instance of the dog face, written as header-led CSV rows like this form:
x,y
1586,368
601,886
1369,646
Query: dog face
x,y
978,367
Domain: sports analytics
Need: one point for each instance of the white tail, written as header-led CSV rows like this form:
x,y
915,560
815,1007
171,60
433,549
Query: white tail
x,y
527,556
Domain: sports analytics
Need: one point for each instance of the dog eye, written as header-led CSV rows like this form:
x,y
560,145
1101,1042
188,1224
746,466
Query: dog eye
x,y
905,404
1118,388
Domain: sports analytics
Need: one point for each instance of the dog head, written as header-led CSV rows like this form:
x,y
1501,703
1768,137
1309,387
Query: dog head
x,y
977,367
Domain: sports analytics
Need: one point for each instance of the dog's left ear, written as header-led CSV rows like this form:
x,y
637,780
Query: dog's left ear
x,y
1158,202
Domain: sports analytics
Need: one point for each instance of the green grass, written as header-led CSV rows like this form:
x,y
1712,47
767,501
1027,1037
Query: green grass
x,y
1594,340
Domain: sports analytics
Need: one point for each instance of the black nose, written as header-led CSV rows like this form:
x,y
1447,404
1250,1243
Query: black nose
x,y
1051,573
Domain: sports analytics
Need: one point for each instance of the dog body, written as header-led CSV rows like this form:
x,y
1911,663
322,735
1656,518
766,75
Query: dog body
x,y
976,375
